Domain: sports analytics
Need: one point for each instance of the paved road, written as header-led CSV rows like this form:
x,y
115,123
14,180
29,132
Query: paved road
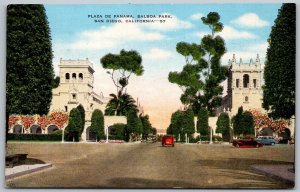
x,y
150,166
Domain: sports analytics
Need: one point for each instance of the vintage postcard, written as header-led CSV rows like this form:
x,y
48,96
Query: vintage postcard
x,y
151,96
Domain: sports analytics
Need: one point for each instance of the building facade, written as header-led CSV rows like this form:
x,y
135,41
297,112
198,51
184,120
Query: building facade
x,y
244,86
75,88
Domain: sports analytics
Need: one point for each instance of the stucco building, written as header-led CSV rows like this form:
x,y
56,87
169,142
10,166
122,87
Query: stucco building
x,y
75,88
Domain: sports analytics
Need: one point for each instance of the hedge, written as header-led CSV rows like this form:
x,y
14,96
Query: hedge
x,y
33,137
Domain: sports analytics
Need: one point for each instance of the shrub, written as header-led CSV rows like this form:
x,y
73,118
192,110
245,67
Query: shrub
x,y
202,123
97,123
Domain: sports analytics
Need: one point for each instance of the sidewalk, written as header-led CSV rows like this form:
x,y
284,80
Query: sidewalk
x,y
279,172
20,170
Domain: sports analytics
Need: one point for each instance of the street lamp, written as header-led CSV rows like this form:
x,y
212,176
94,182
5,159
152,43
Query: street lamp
x,y
106,132
63,135
211,130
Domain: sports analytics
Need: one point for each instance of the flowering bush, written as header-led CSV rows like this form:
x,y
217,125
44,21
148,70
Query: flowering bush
x,y
13,120
262,120
59,118
27,121
43,121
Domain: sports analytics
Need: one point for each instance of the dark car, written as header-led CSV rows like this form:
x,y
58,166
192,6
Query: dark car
x,y
167,140
246,143
266,140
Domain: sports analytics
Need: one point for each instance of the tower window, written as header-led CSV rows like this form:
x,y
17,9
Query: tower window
x,y
237,83
254,83
246,81
74,96
80,76
246,99
74,76
67,76
66,108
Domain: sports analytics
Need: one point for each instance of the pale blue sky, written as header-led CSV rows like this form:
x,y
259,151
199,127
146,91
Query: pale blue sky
x,y
75,36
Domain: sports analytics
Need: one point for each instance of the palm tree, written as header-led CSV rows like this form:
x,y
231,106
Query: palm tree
x,y
120,104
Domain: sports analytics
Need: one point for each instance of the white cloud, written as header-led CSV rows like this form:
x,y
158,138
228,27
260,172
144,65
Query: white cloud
x,y
111,37
172,23
197,16
229,33
250,20
157,54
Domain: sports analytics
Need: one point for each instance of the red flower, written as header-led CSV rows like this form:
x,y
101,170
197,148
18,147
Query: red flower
x,y
12,120
27,121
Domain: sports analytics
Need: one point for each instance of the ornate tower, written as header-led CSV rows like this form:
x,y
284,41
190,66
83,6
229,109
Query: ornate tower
x,y
244,85
76,87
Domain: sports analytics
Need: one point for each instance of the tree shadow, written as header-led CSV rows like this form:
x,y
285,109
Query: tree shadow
x,y
240,169
32,161
139,183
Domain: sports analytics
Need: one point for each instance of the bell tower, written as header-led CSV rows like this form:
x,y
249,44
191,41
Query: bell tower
x,y
244,85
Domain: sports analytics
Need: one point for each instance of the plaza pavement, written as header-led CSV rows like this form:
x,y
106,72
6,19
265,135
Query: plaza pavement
x,y
279,172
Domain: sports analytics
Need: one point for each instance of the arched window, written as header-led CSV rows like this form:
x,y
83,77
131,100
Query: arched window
x,y
74,76
67,76
246,99
80,76
246,81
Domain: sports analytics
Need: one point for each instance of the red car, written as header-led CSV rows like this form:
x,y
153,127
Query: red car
x,y
167,140
246,143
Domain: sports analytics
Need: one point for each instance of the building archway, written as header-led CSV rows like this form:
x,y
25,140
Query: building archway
x,y
52,128
90,136
35,129
17,129
267,131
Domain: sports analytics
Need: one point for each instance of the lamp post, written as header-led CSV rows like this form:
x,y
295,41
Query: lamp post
x,y
106,131
210,141
63,134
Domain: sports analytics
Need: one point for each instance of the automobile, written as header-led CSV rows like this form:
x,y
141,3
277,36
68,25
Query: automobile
x,y
246,143
167,140
266,140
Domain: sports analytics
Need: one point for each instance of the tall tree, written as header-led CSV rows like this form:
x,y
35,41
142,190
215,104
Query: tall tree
x,y
122,66
280,66
97,123
30,74
223,126
202,122
29,70
202,74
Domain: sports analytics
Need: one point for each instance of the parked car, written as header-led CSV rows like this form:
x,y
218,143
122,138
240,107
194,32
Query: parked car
x,y
167,140
266,140
246,143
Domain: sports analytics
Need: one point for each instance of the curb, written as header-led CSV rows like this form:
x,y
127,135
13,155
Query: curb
x,y
257,169
13,175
